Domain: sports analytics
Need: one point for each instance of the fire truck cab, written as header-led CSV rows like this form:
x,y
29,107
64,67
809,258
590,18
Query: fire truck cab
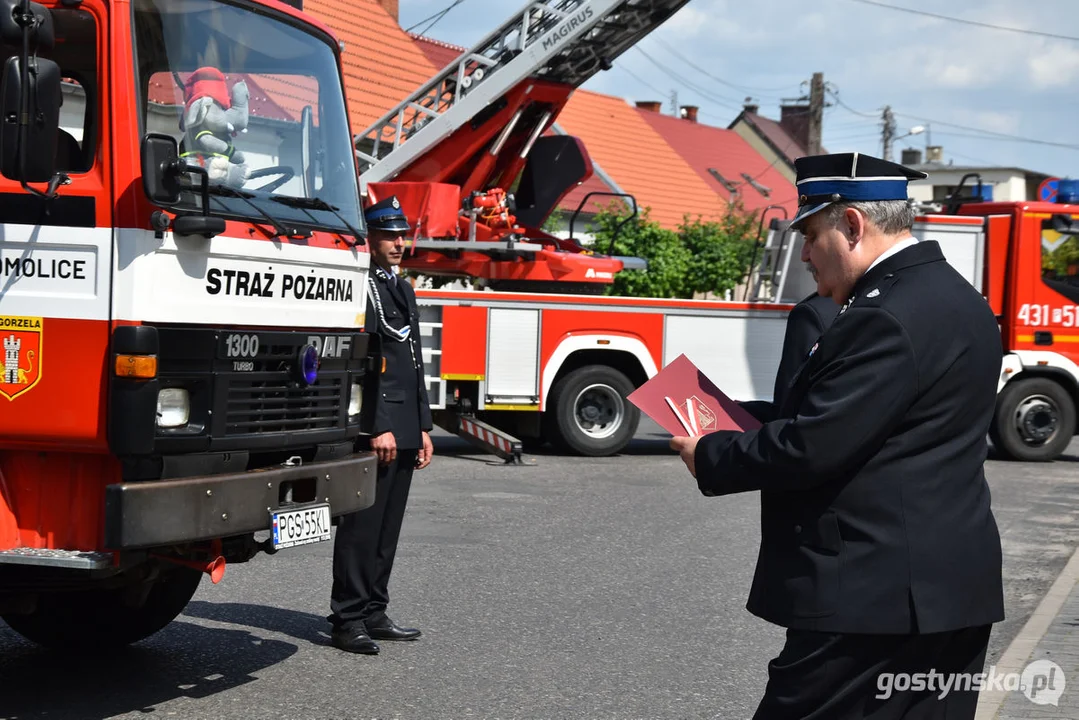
x,y
1031,280
183,272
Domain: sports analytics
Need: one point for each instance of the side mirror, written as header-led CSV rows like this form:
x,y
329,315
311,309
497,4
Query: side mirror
x,y
28,148
162,169
160,180
15,21
29,94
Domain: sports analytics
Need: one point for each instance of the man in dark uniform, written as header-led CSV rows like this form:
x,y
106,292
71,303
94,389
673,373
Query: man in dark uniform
x,y
366,541
879,550
806,322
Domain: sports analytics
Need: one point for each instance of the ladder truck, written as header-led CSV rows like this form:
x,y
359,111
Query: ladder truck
x,y
479,162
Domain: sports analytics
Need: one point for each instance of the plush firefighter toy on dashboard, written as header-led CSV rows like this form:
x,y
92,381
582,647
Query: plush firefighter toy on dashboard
x,y
212,117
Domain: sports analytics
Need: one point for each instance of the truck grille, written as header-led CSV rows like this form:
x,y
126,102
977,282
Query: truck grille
x,y
256,406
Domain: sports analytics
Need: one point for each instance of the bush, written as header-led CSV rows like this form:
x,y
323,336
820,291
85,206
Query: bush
x,y
699,257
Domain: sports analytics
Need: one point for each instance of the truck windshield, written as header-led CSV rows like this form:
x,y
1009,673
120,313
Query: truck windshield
x,y
255,99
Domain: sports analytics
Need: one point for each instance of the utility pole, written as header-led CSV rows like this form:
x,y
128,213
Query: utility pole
x,y
888,132
674,103
816,113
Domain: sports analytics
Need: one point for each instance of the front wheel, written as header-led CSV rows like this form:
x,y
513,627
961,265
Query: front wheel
x,y
588,414
1035,420
106,618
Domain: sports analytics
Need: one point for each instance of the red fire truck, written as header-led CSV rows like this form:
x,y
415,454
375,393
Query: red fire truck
x,y
184,373
539,356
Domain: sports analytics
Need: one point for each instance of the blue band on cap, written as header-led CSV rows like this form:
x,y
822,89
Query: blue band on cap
x,y
384,212
856,189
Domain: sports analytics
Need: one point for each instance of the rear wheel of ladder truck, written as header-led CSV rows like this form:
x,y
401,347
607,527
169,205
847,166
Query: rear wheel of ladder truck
x,y
588,414
107,617
1034,421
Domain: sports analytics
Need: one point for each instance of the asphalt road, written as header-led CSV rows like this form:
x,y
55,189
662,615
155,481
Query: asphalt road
x,y
599,588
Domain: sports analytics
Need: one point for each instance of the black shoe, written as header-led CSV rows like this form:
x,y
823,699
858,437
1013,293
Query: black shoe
x,y
389,630
354,639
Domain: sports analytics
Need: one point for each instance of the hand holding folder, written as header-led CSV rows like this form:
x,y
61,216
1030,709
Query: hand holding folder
x,y
686,403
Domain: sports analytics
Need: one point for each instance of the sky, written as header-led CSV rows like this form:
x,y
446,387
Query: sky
x,y
1004,88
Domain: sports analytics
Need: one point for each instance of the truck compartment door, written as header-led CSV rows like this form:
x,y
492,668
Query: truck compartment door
x,y
739,353
513,343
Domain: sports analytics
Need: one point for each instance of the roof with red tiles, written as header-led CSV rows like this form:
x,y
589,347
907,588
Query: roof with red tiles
x,y
639,159
756,183
382,64
439,53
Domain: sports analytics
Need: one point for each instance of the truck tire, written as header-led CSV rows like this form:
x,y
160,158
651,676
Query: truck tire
x,y
101,619
1034,421
588,414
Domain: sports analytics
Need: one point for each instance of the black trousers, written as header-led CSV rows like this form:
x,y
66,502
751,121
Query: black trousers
x,y
832,676
365,546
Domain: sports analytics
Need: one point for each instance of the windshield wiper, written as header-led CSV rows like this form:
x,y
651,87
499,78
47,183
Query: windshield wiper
x,y
320,204
279,229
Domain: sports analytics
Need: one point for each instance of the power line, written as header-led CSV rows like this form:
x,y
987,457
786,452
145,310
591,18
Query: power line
x,y
434,18
845,106
722,102
1008,139
968,22
991,134
743,88
633,75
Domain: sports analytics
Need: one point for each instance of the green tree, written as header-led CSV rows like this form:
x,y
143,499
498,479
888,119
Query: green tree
x,y
699,257
721,252
667,256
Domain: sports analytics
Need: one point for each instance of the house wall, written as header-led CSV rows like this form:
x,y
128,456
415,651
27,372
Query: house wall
x,y
747,133
1006,184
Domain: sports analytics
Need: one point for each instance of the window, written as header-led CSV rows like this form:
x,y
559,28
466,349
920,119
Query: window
x,y
1060,258
763,190
731,187
257,101
969,192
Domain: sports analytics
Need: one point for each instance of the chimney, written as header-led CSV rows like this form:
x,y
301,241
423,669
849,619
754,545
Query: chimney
x,y
751,107
795,120
392,7
650,105
689,112
934,154
911,156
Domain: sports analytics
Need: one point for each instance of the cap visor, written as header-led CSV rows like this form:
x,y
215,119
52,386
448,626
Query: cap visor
x,y
805,212
390,226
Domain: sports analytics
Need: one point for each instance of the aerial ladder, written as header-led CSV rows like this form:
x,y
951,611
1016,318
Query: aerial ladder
x,y
478,161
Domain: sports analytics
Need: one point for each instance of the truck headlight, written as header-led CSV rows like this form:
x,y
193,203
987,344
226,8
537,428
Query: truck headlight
x,y
355,399
173,407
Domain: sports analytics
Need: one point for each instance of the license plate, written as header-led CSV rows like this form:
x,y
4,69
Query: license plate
x,y
303,526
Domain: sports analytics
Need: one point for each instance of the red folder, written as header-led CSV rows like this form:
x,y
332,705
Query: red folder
x,y
699,407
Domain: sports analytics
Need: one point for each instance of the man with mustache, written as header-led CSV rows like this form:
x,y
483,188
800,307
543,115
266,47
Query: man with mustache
x,y
879,550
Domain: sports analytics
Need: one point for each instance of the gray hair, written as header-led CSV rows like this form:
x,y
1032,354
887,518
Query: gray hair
x,y
889,216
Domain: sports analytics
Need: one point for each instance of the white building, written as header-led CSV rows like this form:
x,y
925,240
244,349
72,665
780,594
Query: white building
x,y
998,183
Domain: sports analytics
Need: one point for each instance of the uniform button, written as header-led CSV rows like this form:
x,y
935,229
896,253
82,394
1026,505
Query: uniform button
x,y
797,529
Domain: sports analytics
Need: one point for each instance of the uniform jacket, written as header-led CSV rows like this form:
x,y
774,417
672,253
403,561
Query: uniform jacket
x,y
402,406
875,510
806,322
